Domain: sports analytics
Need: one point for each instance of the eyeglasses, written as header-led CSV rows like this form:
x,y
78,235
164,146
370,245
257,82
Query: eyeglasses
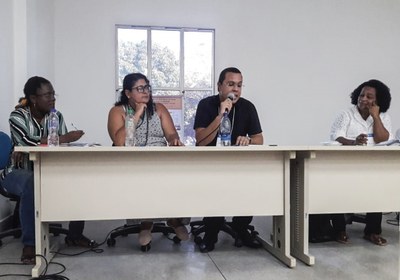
x,y
47,95
232,84
142,89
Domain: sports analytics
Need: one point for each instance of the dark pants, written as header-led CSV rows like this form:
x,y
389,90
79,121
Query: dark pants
x,y
373,223
338,222
214,224
76,229
325,227
20,182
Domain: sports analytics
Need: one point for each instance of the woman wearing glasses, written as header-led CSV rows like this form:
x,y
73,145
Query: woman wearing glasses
x,y
154,127
28,125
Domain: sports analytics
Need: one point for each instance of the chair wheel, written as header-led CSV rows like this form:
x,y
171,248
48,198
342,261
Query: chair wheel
x,y
145,248
55,227
238,242
110,242
176,240
193,228
198,240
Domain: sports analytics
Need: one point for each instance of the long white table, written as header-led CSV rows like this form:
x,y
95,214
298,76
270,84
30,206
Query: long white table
x,y
340,179
103,183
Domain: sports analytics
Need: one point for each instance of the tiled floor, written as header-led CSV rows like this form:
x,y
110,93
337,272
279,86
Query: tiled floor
x,y
165,260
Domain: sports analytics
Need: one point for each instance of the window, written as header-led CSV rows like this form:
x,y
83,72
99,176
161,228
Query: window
x,y
179,62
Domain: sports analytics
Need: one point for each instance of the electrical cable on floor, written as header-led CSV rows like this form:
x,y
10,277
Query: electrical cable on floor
x,y
55,276
394,222
94,249
43,276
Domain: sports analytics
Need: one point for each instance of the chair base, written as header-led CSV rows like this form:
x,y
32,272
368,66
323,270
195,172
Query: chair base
x,y
353,217
55,229
197,228
158,227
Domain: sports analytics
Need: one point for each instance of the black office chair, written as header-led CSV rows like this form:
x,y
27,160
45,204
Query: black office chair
x,y
15,230
125,230
197,228
158,227
6,147
355,217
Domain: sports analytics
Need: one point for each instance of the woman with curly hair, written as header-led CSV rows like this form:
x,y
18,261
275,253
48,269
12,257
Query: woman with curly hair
x,y
366,122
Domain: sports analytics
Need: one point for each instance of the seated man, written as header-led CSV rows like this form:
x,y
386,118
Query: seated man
x,y
245,130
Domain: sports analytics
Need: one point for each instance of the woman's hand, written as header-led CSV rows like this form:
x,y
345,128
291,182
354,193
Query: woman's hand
x,y
374,110
139,110
175,142
71,136
361,139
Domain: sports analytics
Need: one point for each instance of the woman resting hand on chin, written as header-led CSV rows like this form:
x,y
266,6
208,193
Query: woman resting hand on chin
x,y
154,127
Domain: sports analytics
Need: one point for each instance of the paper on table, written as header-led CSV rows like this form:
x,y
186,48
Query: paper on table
x,y
393,142
80,144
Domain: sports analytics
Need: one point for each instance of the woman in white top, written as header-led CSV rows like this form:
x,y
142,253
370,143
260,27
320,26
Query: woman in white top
x,y
367,117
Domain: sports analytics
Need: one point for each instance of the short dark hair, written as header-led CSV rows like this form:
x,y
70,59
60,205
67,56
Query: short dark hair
x,y
129,81
383,96
227,70
32,85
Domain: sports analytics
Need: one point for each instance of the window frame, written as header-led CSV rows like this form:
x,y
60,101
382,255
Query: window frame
x,y
182,31
181,91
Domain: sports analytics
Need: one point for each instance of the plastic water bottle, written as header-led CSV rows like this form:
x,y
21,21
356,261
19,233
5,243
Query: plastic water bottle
x,y
370,139
225,130
130,129
218,140
53,140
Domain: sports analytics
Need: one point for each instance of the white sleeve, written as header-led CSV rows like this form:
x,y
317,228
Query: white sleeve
x,y
387,123
398,134
340,126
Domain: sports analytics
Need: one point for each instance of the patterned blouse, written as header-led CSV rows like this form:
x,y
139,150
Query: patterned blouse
x,y
149,131
26,131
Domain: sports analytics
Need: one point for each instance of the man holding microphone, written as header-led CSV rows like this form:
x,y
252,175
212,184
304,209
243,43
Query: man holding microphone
x,y
245,130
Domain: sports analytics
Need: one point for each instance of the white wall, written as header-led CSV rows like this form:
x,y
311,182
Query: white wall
x,y
40,39
300,59
6,64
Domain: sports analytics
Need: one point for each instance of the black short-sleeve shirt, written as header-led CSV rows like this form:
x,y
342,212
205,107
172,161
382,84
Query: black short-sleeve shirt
x,y
245,122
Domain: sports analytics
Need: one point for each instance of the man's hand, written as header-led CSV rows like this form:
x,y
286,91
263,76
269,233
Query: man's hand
x,y
226,105
243,141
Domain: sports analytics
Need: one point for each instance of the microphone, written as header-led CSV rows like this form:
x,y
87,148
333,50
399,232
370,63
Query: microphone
x,y
231,96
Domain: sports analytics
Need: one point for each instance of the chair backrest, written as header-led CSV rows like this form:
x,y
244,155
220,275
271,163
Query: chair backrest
x,y
5,149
